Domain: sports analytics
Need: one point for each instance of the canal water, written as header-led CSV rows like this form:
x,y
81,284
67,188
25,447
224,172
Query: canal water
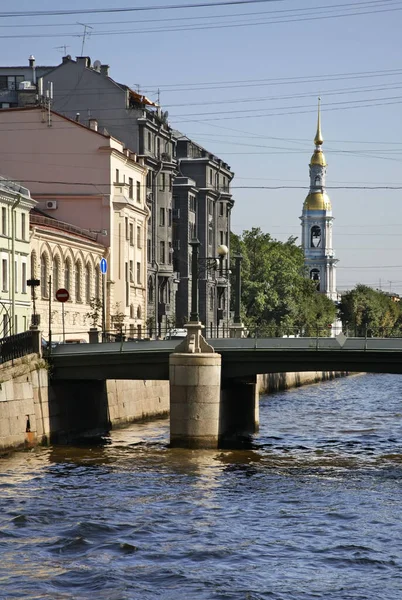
x,y
313,510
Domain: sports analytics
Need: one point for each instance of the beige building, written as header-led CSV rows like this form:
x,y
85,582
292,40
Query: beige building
x,y
64,256
86,178
15,307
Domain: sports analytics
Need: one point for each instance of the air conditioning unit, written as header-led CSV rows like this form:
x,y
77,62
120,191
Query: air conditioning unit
x,y
51,204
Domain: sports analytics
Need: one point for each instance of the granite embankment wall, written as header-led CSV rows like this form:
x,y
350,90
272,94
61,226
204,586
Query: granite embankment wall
x,y
24,407
31,412
275,382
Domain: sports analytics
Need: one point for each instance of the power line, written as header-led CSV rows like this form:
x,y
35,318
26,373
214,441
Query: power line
x,y
110,10
121,32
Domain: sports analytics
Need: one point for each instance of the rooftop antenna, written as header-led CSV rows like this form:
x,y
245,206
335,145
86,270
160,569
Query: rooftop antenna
x,y
85,34
62,48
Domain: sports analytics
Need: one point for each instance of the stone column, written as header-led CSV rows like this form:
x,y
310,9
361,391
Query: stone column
x,y
195,388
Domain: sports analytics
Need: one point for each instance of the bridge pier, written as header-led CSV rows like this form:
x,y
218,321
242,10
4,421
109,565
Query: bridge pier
x,y
239,414
195,400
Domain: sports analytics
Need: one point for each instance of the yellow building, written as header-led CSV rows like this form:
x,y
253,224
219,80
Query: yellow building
x,y
15,204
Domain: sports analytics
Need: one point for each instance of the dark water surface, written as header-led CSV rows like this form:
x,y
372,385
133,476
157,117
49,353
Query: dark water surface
x,y
313,511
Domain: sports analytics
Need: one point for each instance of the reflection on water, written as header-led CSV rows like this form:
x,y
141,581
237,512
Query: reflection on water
x,y
311,510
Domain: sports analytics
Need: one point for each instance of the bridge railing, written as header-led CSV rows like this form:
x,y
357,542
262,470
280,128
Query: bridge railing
x,y
15,346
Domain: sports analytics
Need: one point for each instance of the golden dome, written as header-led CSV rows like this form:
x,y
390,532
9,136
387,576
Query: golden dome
x,y
318,158
317,201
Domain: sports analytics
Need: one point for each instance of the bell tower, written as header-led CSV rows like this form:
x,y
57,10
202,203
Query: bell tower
x,y
316,220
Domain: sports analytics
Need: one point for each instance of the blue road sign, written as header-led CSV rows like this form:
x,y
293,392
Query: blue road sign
x,y
103,266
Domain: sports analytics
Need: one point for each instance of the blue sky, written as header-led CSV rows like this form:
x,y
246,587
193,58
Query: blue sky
x,y
269,72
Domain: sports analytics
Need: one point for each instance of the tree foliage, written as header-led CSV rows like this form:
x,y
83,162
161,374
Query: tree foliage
x,y
367,311
275,291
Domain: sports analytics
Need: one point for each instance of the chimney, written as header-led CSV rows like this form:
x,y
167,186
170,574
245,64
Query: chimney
x,y
77,117
84,60
66,59
104,69
93,124
32,61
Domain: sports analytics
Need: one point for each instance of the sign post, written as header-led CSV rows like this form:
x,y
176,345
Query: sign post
x,y
62,296
103,270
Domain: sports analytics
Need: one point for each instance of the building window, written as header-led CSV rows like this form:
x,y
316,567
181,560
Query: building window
x,y
138,273
138,191
130,187
210,176
149,252
315,276
5,274
67,274
193,203
149,179
56,274
162,182
44,276
24,278
170,217
149,141
221,208
97,283
162,252
78,294
161,217
4,221
23,226
15,276
131,234
139,241
221,237
126,227
131,274
315,241
158,147
139,312
117,175
210,207
132,311
88,283
210,234
170,253
150,290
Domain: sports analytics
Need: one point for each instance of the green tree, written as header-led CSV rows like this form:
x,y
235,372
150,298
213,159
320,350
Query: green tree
x,y
365,310
276,295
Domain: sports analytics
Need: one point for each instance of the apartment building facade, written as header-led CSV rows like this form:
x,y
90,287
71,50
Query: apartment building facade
x,y
88,179
82,91
203,201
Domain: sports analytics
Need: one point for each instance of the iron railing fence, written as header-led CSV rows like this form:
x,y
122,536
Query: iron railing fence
x,y
16,346
210,332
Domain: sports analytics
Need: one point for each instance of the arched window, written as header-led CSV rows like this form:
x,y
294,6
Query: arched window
x,y
67,275
315,240
78,274
44,275
97,283
150,290
139,312
56,274
315,276
131,311
317,180
87,283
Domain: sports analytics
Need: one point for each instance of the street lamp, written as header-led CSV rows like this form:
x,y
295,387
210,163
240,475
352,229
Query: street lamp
x,y
209,262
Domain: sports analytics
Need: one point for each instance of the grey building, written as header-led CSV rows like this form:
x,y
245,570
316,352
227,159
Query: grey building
x,y
85,92
202,204
18,85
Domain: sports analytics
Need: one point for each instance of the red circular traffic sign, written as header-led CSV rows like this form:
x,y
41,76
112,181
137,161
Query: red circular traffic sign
x,y
62,295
